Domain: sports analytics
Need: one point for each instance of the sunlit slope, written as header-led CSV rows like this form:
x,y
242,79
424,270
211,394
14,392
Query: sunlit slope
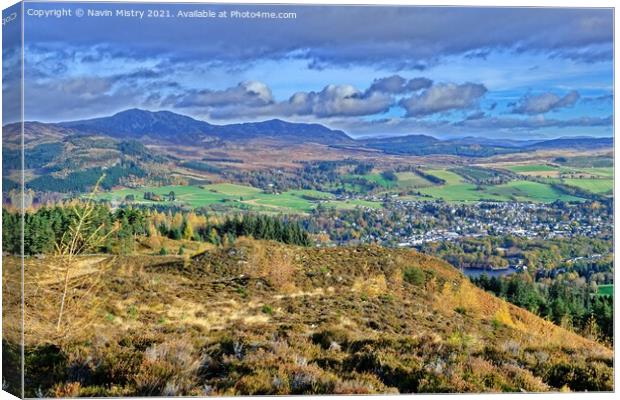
x,y
265,318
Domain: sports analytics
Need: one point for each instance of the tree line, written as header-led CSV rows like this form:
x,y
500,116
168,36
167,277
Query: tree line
x,y
568,300
44,228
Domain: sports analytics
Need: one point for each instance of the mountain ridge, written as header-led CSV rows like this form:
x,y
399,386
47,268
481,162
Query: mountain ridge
x,y
167,126
177,128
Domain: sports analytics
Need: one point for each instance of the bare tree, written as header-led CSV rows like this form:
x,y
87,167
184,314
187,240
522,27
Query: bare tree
x,y
81,237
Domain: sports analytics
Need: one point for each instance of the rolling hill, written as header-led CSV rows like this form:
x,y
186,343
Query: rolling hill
x,y
175,128
169,127
265,318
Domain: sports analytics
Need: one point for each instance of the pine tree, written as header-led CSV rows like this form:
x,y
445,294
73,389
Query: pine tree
x,y
213,236
188,232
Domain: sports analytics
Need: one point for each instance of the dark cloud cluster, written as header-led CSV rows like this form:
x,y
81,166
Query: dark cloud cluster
x,y
545,102
400,37
145,71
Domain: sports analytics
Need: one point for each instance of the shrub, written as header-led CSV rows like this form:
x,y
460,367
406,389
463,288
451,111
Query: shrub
x,y
414,276
326,338
168,369
581,377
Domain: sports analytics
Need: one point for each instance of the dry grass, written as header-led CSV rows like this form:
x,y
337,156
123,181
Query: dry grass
x,y
265,318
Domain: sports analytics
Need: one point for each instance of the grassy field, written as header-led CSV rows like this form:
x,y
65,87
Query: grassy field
x,y
374,177
592,185
456,189
607,172
411,180
530,191
606,290
531,168
239,196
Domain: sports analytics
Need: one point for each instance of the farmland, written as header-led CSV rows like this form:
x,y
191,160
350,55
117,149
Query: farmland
x,y
463,184
237,197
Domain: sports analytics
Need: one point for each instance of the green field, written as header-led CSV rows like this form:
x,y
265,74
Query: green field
x,y
531,168
411,180
530,191
351,204
374,177
239,196
606,290
592,185
607,172
456,189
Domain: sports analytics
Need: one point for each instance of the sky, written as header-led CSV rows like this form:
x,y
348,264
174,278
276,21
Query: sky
x,y
515,73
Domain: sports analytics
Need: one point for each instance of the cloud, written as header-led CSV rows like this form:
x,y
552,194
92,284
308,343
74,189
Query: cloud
x,y
338,100
254,99
248,93
402,37
396,84
78,97
416,84
443,97
391,84
331,101
545,102
604,98
475,115
533,123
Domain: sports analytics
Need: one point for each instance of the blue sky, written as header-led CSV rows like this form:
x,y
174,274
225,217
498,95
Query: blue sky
x,y
495,72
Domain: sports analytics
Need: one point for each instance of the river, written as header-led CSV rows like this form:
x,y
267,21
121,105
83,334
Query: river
x,y
476,272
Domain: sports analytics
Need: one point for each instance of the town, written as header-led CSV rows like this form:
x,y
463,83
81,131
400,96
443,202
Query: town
x,y
413,223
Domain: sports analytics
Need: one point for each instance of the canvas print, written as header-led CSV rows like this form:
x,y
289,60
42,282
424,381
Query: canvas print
x,y
243,199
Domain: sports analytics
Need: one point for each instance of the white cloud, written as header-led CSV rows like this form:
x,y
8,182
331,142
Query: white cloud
x,y
545,102
442,98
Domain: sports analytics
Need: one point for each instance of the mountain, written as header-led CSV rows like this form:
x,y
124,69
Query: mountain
x,y
136,124
262,318
420,140
169,127
281,130
176,128
583,142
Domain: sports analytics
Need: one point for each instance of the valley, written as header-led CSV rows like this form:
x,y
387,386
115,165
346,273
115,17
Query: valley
x,y
292,253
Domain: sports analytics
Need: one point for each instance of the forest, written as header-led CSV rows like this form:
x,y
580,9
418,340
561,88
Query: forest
x,y
44,228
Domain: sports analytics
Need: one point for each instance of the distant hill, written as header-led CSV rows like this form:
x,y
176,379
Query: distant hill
x,y
284,131
169,127
421,145
136,124
576,142
176,128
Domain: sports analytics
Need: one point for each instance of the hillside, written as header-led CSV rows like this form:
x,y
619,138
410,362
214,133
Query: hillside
x,y
574,143
170,127
267,318
144,148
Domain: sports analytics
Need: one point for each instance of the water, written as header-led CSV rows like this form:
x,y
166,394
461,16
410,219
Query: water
x,y
476,272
